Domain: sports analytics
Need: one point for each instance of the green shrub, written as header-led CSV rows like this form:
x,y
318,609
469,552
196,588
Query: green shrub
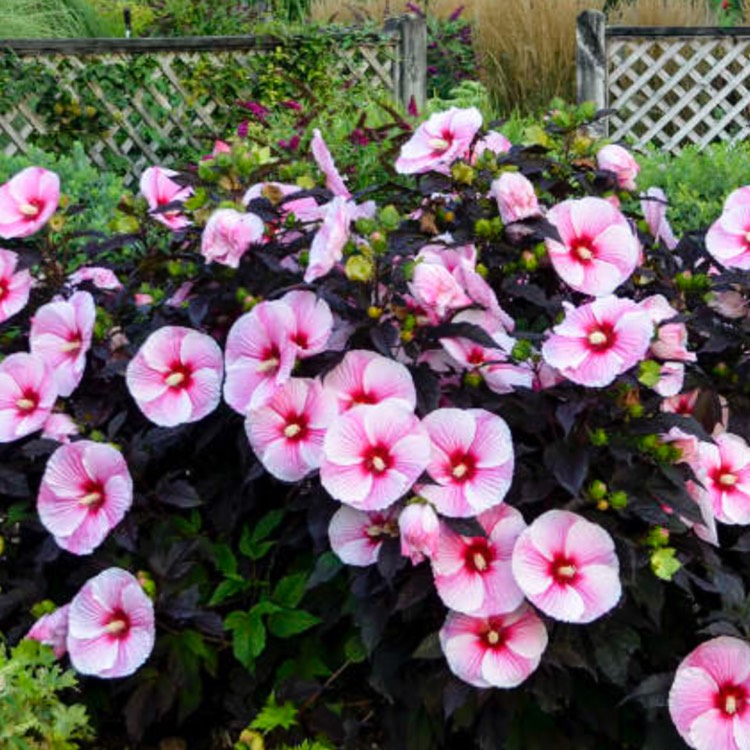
x,y
33,715
99,190
696,182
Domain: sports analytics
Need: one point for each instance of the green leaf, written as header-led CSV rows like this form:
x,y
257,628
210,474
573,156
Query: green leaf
x,y
225,560
227,589
273,716
290,590
290,622
248,636
664,564
355,650
253,543
267,525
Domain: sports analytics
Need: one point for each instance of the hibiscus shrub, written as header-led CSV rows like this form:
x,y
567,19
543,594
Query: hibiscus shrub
x,y
463,465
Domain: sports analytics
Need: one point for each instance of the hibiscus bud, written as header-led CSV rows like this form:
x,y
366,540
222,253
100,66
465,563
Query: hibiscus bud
x,y
602,505
389,217
597,490
529,261
483,228
463,173
473,379
359,268
374,312
599,437
515,196
664,563
147,583
250,740
616,159
419,528
618,500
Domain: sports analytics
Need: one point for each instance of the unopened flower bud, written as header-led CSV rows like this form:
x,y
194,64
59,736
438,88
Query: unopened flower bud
x,y
419,529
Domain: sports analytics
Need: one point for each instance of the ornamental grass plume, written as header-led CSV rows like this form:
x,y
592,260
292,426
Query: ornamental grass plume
x,y
85,492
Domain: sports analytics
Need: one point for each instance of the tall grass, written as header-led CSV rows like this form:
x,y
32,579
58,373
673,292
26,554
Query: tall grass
x,y
526,48
34,19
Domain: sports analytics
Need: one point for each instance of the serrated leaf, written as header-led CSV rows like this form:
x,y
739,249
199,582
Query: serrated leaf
x,y
291,622
248,636
225,560
290,590
252,542
354,650
227,589
274,716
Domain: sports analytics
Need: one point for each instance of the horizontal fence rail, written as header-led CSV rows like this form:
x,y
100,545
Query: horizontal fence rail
x,y
670,87
138,102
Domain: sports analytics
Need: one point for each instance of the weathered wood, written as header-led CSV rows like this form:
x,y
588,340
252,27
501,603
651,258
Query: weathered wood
x,y
591,60
412,67
651,32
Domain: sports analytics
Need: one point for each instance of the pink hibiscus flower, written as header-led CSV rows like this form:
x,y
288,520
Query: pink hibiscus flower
x,y
159,190
327,247
110,626
473,574
365,377
15,286
101,278
85,492
260,354
313,322
671,338
61,334
372,455
723,468
493,142
324,160
356,537
614,158
27,201
286,433
709,701
27,394
52,630
493,364
728,238
567,567
228,235
515,196
304,209
497,651
599,341
471,461
435,285
598,251
419,528
175,377
654,207
59,427
439,141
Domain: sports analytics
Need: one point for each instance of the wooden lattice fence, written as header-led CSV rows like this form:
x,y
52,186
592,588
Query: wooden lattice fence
x,y
137,102
670,87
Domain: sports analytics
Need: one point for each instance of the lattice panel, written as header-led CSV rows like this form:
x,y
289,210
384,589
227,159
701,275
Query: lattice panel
x,y
168,110
674,91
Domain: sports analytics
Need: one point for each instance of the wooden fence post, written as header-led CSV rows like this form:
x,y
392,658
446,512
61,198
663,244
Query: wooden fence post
x,y
411,73
591,61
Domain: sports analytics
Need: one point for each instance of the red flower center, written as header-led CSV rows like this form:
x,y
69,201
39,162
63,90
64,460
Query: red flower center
x,y
463,467
93,495
724,478
476,357
301,339
362,397
3,289
731,699
582,249
494,636
295,428
377,459
72,344
479,555
28,402
31,209
117,624
270,360
563,570
179,376
601,337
